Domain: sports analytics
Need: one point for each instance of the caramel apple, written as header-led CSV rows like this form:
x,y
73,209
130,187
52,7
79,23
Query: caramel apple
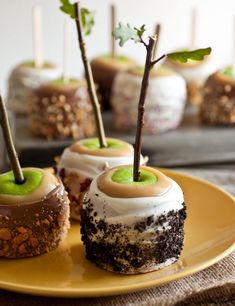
x,y
34,215
165,100
23,79
104,69
132,218
59,110
84,160
133,227
195,73
218,106
34,207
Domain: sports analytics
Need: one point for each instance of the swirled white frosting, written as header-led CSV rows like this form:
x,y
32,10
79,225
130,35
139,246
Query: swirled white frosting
x,y
23,79
90,165
165,101
128,211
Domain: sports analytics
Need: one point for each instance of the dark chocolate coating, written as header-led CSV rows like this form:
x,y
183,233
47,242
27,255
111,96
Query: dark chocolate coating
x,y
30,229
163,245
104,75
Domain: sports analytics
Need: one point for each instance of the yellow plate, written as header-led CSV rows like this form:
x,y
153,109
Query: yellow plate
x,y
210,236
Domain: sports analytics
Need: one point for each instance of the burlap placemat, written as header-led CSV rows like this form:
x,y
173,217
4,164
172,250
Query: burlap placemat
x,y
213,286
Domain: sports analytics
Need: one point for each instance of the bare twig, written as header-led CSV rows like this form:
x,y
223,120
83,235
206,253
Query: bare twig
x,y
141,108
157,33
113,24
18,174
90,80
158,60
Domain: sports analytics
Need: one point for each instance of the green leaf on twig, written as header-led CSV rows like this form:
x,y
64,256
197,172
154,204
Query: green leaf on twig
x,y
140,31
184,56
87,17
88,20
68,8
126,32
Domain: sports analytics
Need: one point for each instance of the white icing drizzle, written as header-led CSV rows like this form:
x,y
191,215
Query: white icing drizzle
x,y
90,165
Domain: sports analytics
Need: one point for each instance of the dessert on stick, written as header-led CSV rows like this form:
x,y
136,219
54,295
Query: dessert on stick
x,y
165,99
218,105
132,219
34,207
62,108
194,72
82,161
30,74
106,67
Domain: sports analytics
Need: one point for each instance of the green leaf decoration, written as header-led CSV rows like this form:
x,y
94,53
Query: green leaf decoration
x,y
124,33
183,57
140,31
87,17
88,20
228,71
68,8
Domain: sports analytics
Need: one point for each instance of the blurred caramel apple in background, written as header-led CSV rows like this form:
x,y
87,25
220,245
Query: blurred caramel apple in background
x,y
104,69
59,110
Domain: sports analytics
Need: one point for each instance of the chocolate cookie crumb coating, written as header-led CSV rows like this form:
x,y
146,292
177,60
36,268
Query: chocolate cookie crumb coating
x,y
30,229
145,246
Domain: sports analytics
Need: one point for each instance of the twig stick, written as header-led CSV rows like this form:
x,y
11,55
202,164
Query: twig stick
x,y
67,51
141,107
90,80
157,33
113,24
18,174
37,37
194,28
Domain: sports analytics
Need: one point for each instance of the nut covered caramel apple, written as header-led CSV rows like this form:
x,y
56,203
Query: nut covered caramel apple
x,y
165,100
195,73
34,215
104,69
218,106
133,227
84,160
23,79
61,110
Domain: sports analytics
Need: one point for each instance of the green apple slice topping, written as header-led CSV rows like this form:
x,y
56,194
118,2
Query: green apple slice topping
x,y
120,58
118,182
125,176
33,179
93,144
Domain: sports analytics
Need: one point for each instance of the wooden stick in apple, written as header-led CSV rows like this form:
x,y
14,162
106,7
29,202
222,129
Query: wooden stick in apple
x,y
18,174
37,37
90,80
67,51
157,33
113,25
194,24
84,22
